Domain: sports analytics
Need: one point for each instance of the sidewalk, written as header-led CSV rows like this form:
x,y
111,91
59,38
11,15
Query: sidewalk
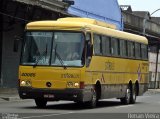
x,y
11,94
153,91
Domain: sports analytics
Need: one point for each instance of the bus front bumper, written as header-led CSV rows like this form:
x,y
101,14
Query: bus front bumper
x,y
55,95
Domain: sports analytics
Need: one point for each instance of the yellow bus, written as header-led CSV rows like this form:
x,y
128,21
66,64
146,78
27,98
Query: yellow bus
x,y
81,60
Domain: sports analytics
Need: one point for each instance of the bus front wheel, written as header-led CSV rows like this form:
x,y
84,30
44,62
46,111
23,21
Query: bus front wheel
x,y
93,102
40,103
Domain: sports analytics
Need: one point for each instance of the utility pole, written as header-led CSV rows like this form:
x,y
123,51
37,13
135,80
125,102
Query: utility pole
x,y
157,53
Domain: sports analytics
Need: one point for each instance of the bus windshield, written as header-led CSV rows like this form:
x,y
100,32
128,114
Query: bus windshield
x,y
59,48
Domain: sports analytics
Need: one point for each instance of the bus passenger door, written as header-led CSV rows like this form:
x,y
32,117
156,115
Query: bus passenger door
x,y
89,49
89,53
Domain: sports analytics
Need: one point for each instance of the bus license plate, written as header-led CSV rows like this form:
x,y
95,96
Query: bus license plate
x,y
48,96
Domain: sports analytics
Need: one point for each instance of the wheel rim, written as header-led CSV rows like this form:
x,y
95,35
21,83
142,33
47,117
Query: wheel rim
x,y
128,95
94,98
134,95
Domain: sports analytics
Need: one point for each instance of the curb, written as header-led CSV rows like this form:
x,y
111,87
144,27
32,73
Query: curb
x,y
153,91
8,90
10,98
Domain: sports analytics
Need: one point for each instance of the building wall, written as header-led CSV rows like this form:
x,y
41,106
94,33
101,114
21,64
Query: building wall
x,y
14,20
152,71
103,10
10,59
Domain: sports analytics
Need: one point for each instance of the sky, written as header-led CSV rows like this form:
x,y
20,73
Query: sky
x,y
143,5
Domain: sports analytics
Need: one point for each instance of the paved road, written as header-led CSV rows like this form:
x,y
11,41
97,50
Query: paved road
x,y
146,105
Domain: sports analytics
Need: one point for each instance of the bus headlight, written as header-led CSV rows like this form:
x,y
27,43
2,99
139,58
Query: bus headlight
x,y
26,83
76,84
72,84
23,83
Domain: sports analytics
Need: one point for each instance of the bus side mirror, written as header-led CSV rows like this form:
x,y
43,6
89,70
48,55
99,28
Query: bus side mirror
x,y
16,43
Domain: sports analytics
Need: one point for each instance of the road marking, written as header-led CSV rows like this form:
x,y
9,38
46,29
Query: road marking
x,y
144,96
48,115
124,106
3,101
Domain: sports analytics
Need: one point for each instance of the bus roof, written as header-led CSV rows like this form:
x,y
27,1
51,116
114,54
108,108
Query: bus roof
x,y
85,23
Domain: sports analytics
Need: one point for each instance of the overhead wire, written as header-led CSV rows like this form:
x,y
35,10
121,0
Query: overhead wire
x,y
18,18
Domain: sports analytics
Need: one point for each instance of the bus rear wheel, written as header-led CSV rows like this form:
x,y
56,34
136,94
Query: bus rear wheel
x,y
126,100
40,103
133,95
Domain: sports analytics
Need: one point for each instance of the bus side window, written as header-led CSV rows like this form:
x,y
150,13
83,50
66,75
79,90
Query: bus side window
x,y
114,47
97,44
106,46
138,50
144,51
123,48
131,49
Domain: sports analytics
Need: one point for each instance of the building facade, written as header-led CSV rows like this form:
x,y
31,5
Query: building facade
x,y
103,10
14,15
154,77
142,23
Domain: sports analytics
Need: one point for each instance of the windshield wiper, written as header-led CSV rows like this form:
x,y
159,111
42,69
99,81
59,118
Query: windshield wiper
x,y
44,53
40,57
59,57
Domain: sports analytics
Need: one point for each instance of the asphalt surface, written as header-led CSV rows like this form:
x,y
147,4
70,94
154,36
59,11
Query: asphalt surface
x,y
147,107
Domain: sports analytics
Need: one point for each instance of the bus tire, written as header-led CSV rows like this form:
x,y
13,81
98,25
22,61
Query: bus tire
x,y
93,102
126,100
40,103
133,95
